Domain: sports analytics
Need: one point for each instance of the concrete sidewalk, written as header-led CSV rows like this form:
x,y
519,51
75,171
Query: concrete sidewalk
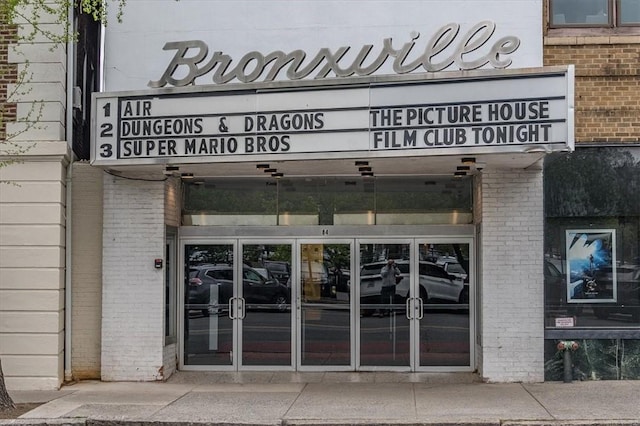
x,y
192,398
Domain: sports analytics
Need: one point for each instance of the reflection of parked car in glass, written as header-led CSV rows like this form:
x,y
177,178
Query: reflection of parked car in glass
x,y
438,284
342,282
211,287
453,268
265,273
435,283
627,281
279,269
554,284
315,279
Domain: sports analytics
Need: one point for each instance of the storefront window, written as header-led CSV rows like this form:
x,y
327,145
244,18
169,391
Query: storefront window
x,y
321,200
592,239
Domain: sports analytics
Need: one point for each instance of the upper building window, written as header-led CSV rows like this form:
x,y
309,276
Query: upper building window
x,y
594,13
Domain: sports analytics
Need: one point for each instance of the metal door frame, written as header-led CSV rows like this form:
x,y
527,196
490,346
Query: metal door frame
x,y
239,332
298,244
181,293
472,308
383,240
353,235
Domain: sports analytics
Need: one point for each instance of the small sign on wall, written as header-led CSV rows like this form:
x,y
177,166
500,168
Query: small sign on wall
x,y
564,322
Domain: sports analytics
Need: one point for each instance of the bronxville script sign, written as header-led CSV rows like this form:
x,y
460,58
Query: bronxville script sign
x,y
492,113
442,50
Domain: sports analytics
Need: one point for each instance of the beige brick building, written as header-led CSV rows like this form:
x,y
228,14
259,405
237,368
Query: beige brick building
x,y
602,40
607,83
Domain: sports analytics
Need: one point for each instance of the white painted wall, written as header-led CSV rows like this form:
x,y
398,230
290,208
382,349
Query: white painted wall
x,y
134,48
86,291
512,305
132,289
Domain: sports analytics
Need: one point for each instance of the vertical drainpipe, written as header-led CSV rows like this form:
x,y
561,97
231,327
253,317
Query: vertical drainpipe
x,y
68,376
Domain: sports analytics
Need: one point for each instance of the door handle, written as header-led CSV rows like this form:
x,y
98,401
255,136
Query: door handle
x,y
408,311
242,308
420,308
231,306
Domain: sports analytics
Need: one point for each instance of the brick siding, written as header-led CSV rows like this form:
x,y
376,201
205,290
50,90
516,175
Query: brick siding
x,y
607,90
8,72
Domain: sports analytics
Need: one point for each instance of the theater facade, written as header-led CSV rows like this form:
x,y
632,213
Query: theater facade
x,y
260,166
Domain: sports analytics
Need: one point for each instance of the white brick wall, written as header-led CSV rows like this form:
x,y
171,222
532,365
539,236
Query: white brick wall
x,y
132,289
170,360
511,308
86,263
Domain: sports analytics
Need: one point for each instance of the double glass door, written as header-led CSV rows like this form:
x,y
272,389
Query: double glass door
x,y
328,305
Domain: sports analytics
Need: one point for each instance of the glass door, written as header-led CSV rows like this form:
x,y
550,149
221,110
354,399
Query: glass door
x,y
325,306
394,304
444,277
385,304
265,302
208,303
238,313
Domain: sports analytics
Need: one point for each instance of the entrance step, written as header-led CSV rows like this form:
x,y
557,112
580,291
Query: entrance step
x,y
283,377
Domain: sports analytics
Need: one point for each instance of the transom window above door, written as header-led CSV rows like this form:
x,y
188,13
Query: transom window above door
x,y
308,201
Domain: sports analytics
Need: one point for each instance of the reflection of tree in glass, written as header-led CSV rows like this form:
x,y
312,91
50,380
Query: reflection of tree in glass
x,y
337,255
281,253
209,254
592,182
593,187
239,196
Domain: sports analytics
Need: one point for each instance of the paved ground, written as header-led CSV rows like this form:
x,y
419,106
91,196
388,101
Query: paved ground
x,y
191,398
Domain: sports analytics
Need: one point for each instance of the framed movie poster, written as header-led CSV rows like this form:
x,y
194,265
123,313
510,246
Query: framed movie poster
x,y
591,260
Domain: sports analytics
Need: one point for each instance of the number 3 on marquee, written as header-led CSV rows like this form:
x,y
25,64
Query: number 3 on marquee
x,y
107,150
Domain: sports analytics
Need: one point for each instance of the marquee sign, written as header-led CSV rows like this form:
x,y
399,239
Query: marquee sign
x,y
490,113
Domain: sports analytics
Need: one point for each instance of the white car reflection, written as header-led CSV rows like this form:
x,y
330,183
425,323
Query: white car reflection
x,y
435,283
